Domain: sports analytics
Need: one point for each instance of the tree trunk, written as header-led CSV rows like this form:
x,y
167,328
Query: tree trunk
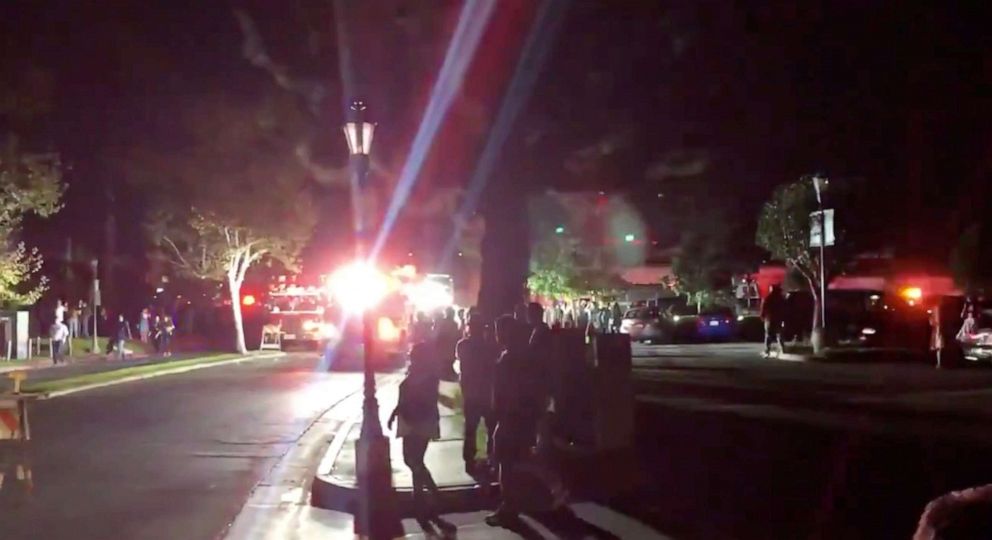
x,y
234,286
505,254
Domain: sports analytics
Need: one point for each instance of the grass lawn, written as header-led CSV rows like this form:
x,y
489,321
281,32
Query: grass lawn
x,y
123,373
81,346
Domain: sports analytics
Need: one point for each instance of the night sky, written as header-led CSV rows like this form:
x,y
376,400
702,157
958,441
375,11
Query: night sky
x,y
893,95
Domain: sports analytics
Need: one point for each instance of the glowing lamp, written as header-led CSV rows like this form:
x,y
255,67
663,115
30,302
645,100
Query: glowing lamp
x,y
358,286
248,300
359,134
629,238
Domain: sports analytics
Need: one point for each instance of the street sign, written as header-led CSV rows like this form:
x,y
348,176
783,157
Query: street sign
x,y
814,227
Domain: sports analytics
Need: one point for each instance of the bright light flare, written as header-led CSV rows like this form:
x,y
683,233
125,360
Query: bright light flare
x,y
911,293
248,300
429,296
387,330
358,286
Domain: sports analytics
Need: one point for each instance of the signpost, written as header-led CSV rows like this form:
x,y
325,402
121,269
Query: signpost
x,y
819,221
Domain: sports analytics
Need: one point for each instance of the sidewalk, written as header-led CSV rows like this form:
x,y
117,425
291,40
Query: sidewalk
x,y
335,484
282,506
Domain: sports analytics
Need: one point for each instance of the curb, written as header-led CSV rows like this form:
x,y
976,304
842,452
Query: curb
x,y
183,369
277,497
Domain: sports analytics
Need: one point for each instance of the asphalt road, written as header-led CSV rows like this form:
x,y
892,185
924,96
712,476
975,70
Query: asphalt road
x,y
167,458
736,446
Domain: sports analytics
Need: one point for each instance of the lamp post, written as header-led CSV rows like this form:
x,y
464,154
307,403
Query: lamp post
x,y
375,516
819,184
94,301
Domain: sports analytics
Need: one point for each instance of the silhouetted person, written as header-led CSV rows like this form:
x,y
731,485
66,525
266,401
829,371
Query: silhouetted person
x,y
87,313
418,424
117,339
773,316
477,359
421,331
617,317
517,404
446,337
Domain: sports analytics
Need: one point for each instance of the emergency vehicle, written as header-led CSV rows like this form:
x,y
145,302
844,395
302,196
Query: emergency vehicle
x,y
299,313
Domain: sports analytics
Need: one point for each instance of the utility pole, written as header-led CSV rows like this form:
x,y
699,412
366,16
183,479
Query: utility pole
x,y
95,297
819,183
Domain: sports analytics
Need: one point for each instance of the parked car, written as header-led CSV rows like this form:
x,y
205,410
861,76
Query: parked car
x,y
876,319
716,324
645,324
975,338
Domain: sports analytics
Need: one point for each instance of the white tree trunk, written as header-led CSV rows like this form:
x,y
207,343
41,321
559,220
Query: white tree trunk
x,y
234,285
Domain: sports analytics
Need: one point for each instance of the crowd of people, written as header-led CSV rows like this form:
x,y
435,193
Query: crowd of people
x,y
506,384
78,321
604,317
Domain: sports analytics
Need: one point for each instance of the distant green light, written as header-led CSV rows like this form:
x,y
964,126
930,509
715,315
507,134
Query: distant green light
x,y
559,230
628,238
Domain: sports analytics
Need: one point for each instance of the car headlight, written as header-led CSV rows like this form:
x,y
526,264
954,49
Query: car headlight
x,y
868,331
676,318
740,318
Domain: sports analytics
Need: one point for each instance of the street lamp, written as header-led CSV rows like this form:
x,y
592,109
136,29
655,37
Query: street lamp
x,y
375,516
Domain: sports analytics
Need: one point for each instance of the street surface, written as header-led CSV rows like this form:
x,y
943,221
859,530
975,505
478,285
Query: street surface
x,y
167,458
737,446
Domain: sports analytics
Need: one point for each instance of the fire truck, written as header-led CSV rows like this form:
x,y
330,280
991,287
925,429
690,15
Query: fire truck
x,y
299,314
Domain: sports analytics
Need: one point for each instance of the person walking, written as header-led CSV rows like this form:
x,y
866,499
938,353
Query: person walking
x,y
477,360
59,333
144,325
773,316
517,406
419,422
117,339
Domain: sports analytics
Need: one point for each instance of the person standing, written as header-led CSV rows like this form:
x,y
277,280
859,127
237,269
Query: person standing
x,y
165,330
617,317
87,314
517,406
476,360
773,316
445,339
73,322
59,333
582,316
59,311
144,325
419,422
